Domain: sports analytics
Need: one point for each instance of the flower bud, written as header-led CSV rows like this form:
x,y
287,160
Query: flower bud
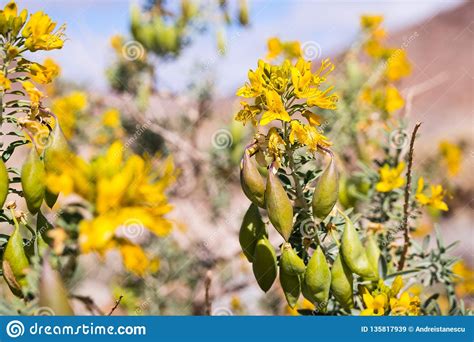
x,y
290,262
326,191
280,210
317,278
354,253
252,182
264,264
4,183
15,262
32,181
251,230
52,293
342,282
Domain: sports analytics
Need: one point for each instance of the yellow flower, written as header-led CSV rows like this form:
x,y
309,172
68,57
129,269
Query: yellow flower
x,y
393,99
67,109
136,261
34,94
275,143
397,65
375,306
44,73
39,34
324,70
116,41
247,113
464,279
5,83
370,22
435,200
111,118
313,119
452,156
323,100
405,305
307,135
275,108
275,48
256,83
10,10
303,304
302,78
390,178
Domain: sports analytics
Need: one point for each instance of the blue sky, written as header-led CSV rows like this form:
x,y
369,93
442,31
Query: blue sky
x,y
331,24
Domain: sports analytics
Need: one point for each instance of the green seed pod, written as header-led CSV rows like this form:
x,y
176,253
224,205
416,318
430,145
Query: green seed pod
x,y
290,262
251,181
317,278
342,282
57,152
354,253
373,253
15,262
326,191
4,183
291,285
243,13
52,293
251,230
280,210
32,181
264,264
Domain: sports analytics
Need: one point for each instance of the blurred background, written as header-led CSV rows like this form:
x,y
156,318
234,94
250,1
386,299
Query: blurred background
x,y
187,110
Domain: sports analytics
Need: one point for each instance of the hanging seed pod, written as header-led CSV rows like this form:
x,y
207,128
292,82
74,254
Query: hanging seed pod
x,y
354,253
52,293
57,152
251,230
342,283
317,278
264,264
4,183
280,210
291,285
15,262
32,181
243,13
373,253
326,191
251,181
290,262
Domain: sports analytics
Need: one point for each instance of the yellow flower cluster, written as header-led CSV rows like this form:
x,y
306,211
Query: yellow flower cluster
x,y
282,91
289,50
123,192
452,157
435,199
394,62
67,108
390,178
387,300
464,279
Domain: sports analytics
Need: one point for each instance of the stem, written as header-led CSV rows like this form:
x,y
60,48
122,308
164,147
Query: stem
x,y
407,199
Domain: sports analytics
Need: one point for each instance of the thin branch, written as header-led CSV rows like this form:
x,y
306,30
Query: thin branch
x,y
117,303
207,298
406,204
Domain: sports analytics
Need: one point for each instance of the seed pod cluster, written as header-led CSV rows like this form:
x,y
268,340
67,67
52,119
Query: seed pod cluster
x,y
326,192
